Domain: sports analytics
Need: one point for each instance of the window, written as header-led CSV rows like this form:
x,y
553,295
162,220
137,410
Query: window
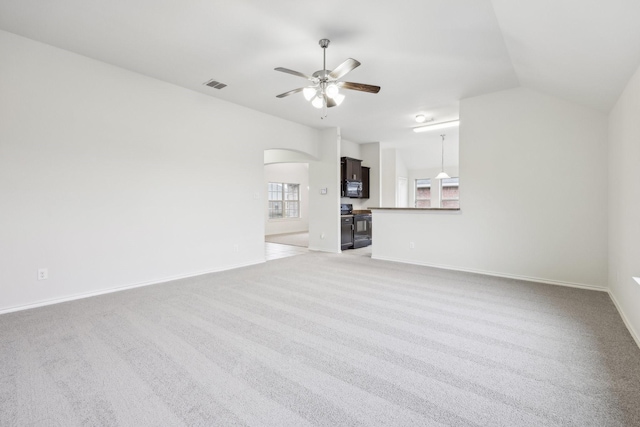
x,y
450,194
423,193
284,200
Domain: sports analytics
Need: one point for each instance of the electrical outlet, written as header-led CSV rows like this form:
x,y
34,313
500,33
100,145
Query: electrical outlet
x,y
322,235
412,245
236,248
43,273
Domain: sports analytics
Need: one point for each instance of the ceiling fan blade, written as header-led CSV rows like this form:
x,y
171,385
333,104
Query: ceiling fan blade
x,y
329,102
343,68
291,92
359,86
295,73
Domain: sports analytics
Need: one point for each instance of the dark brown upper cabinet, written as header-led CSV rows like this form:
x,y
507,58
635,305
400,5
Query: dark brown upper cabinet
x,y
365,181
351,169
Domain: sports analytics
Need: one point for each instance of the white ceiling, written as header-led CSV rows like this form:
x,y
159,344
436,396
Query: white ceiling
x,y
425,54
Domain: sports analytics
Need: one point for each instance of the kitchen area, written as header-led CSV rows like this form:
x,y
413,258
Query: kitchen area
x,y
355,225
366,176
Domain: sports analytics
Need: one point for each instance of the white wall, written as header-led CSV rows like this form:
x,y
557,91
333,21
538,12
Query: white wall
x,y
113,179
388,177
350,149
533,195
402,173
324,209
277,155
392,167
624,203
292,173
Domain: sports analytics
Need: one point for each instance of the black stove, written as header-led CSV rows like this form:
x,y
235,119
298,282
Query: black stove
x,y
346,209
356,228
361,230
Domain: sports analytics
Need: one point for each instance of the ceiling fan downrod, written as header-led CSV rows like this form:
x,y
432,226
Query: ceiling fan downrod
x,y
324,44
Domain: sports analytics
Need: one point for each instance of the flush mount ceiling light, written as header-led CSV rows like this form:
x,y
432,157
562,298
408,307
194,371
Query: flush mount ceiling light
x,y
421,118
324,91
436,126
442,174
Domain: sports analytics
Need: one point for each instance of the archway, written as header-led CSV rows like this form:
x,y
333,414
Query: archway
x,y
286,202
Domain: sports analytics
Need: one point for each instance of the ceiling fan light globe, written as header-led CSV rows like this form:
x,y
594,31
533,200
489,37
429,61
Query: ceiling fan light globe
x,y
332,90
338,98
309,93
317,102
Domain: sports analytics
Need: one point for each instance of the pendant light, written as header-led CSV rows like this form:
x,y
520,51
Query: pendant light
x,y
442,174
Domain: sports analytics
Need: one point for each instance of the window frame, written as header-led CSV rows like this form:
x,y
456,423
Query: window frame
x,y
416,199
443,199
285,203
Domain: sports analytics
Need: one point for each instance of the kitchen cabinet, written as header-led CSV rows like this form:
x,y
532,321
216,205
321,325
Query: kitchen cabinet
x,y
365,181
346,232
351,169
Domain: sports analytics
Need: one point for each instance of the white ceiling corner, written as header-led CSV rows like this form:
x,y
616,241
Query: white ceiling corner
x,y
582,51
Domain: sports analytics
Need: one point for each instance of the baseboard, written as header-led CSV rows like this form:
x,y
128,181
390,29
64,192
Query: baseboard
x,y
122,288
632,331
495,274
286,234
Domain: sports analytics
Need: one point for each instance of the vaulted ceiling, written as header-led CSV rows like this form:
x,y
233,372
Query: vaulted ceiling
x,y
425,54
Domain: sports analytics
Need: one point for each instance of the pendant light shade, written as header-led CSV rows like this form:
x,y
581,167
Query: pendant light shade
x,y
309,93
442,174
332,90
318,102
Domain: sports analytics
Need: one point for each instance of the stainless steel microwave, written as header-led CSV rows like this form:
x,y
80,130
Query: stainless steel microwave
x,y
352,188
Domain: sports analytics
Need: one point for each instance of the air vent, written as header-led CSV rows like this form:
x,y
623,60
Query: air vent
x,y
215,84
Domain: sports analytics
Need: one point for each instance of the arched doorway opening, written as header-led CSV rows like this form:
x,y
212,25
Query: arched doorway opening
x,y
286,202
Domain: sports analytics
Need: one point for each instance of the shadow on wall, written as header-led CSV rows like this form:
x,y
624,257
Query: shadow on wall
x,y
280,155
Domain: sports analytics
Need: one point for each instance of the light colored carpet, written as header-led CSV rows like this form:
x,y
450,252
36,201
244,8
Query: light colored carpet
x,y
364,252
293,239
325,340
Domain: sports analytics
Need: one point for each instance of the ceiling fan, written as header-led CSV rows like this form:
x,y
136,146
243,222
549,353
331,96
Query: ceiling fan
x,y
324,90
